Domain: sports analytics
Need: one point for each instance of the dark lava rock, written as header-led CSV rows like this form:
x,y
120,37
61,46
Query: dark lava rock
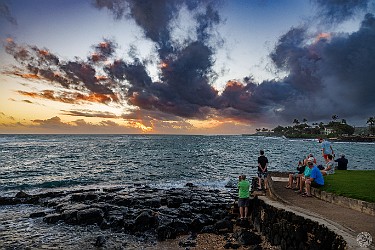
x,y
100,241
37,214
90,216
22,194
52,218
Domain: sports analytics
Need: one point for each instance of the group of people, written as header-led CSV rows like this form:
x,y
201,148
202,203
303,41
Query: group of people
x,y
308,175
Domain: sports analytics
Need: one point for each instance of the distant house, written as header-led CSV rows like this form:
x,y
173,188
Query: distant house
x,y
328,131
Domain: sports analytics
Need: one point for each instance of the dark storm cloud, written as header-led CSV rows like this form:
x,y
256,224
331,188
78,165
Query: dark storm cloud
x,y
336,11
325,75
75,75
331,75
186,73
89,113
6,13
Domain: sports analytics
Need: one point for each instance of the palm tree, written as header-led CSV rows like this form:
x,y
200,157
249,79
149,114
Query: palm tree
x,y
304,120
296,121
371,122
335,117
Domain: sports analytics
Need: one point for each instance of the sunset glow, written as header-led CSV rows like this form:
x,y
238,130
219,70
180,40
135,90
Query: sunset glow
x,y
209,68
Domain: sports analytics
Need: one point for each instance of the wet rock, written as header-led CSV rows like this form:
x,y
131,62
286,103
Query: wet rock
x,y
100,241
246,237
144,221
174,202
230,245
165,232
70,216
22,194
52,218
224,226
90,216
37,214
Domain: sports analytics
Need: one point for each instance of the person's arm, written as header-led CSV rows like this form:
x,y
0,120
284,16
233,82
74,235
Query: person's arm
x,y
333,153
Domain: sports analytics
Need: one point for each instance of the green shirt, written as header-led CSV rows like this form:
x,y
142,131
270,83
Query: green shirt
x,y
307,172
243,189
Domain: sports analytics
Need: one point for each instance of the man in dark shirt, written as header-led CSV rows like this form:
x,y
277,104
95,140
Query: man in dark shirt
x,y
262,170
342,163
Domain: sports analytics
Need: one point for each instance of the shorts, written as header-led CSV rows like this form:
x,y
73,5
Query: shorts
x,y
316,185
262,175
325,156
243,202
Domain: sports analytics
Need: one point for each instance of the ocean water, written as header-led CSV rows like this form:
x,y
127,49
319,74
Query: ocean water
x,y
41,163
38,163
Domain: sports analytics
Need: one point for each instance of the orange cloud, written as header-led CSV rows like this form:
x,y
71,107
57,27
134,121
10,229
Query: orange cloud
x,y
70,97
28,76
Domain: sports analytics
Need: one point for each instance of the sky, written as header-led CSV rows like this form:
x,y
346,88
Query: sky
x,y
184,66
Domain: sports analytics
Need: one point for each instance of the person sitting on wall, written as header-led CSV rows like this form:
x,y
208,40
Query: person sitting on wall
x,y
243,196
296,176
315,180
305,175
330,168
342,163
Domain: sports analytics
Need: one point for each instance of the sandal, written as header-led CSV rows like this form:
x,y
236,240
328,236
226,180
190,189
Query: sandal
x,y
288,187
306,195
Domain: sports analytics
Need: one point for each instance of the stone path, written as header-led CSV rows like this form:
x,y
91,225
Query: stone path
x,y
349,221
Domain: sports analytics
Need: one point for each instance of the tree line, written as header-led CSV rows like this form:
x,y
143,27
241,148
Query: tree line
x,y
334,128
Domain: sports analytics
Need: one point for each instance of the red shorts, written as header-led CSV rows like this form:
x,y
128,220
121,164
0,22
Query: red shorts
x,y
325,157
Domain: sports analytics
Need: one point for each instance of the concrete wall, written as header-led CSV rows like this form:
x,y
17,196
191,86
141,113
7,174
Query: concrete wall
x,y
361,206
291,231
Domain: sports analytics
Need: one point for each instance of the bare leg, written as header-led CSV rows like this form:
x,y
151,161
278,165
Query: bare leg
x,y
290,181
297,181
308,185
246,211
301,183
259,183
242,212
265,183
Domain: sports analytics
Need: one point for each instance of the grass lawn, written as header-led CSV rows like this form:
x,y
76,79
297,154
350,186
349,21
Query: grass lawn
x,y
357,184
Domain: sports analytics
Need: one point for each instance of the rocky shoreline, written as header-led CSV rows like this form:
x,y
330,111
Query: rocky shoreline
x,y
151,215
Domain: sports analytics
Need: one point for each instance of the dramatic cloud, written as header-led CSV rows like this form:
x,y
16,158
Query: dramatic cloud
x,y
331,75
68,97
336,11
324,72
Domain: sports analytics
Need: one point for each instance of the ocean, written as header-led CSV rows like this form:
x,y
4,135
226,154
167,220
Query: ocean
x,y
39,163
44,163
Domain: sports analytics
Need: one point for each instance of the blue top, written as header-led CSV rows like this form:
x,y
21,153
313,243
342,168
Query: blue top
x,y
326,146
317,175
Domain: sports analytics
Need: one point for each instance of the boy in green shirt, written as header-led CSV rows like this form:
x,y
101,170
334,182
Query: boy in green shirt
x,y
243,196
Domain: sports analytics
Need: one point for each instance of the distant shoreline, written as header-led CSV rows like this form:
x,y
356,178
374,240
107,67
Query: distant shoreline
x,y
356,138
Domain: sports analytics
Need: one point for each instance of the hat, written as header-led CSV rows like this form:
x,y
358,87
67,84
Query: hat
x,y
311,159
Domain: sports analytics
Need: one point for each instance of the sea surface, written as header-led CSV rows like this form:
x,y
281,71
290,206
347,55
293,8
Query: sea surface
x,y
38,163
42,163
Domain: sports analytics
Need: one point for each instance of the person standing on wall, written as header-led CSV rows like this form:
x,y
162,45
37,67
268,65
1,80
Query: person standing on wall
x,y
243,196
326,149
262,170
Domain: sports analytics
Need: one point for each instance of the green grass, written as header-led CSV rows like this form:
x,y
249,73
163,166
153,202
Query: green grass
x,y
357,184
